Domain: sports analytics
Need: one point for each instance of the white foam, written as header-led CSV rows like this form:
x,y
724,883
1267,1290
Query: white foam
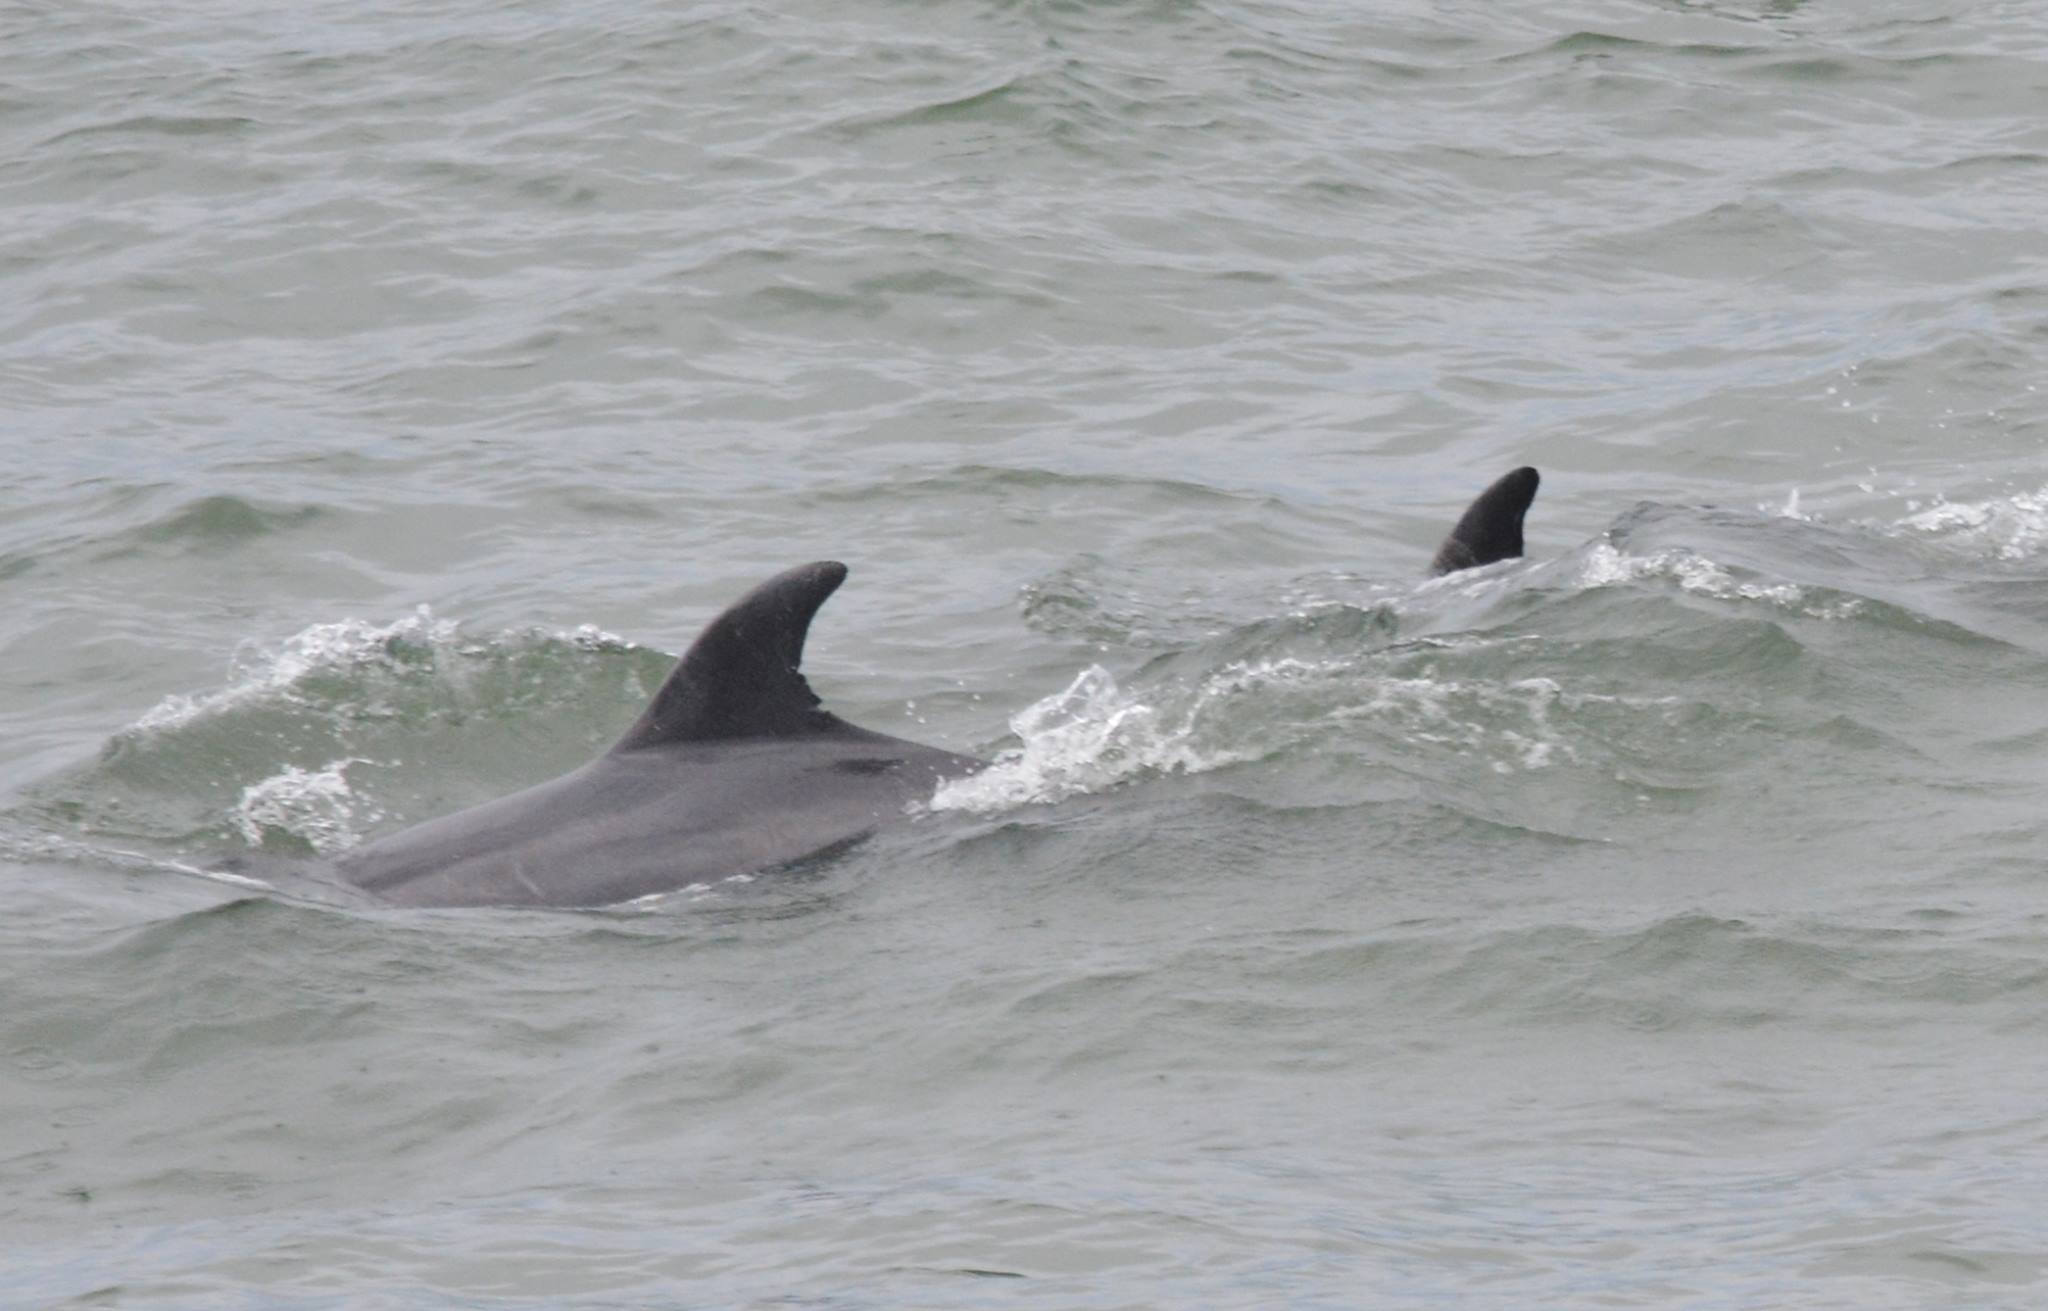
x,y
49,846
1605,566
1427,710
1789,510
1095,735
271,671
655,902
589,637
221,876
316,805
2013,527
1087,737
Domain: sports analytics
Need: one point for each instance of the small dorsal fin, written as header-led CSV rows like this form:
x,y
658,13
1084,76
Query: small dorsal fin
x,y
1491,528
742,676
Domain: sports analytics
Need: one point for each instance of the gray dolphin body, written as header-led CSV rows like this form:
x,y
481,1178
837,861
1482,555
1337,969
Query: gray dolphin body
x,y
734,767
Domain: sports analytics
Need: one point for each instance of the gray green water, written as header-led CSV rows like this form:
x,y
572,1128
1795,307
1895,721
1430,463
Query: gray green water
x,y
1661,922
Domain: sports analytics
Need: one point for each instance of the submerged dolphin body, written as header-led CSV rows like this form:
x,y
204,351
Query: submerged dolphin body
x,y
733,767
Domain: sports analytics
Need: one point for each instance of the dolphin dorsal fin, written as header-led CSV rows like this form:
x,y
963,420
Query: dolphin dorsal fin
x,y
1491,528
742,676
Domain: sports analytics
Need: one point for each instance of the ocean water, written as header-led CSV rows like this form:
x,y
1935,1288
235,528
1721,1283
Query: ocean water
x,y
389,391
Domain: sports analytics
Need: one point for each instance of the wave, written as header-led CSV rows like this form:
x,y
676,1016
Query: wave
x,y
315,739
1714,623
2008,528
1720,629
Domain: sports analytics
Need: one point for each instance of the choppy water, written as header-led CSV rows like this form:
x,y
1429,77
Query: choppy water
x,y
389,390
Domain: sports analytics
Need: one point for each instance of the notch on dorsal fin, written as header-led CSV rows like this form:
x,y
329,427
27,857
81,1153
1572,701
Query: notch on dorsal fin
x,y
1492,526
742,676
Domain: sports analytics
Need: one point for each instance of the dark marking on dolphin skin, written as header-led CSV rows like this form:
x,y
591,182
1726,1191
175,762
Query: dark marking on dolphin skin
x,y
733,767
1491,528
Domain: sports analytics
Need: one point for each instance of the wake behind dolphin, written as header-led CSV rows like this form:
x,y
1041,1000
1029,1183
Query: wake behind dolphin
x,y
734,767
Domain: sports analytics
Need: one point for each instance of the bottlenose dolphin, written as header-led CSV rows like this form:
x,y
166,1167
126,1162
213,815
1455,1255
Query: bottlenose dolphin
x,y
734,767
1491,527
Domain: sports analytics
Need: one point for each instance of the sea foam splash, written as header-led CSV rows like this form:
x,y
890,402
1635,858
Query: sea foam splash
x,y
23,847
1095,735
281,670
2012,527
1087,737
1606,566
1427,709
261,671
348,693
315,805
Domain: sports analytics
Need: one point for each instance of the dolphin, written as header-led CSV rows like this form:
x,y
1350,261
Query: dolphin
x,y
1491,528
733,768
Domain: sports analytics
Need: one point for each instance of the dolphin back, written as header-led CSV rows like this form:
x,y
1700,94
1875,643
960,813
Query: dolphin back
x,y
732,768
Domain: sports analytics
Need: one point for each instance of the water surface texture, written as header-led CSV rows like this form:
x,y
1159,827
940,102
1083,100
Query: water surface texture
x,y
390,390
